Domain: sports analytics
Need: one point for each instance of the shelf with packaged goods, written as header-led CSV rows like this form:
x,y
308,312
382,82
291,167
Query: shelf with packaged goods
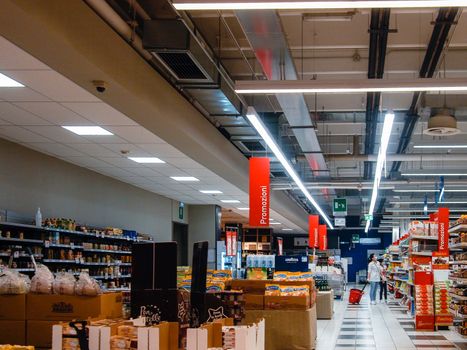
x,y
78,233
123,289
458,228
60,261
457,315
105,264
23,256
110,277
458,279
460,262
458,297
24,269
428,238
462,245
106,251
21,240
422,253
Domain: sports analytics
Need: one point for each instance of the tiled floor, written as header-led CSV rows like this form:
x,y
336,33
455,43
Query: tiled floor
x,y
379,327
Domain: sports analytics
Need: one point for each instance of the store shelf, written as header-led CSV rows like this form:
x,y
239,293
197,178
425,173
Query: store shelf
x,y
24,270
462,245
458,297
110,277
107,251
428,238
422,253
105,264
458,228
78,233
60,261
123,289
458,279
65,246
395,261
457,315
461,262
18,240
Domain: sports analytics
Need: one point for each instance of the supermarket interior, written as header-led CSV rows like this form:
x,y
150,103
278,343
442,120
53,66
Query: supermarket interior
x,y
233,174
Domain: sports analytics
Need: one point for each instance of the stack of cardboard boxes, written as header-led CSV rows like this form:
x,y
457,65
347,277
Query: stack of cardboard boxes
x,y
28,318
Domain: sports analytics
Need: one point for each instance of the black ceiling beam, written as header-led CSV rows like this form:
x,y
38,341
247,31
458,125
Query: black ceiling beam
x,y
444,21
379,29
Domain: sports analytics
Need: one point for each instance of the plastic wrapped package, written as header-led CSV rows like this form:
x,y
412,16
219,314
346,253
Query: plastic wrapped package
x,y
42,281
64,283
12,282
87,285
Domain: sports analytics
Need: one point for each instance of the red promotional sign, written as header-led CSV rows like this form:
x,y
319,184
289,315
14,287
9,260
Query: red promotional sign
x,y
313,223
443,231
280,246
259,192
322,237
231,243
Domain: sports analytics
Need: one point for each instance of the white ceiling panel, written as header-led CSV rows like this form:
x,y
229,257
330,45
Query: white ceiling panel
x,y
89,162
58,149
53,112
118,147
161,150
20,134
107,139
94,150
115,172
169,170
18,116
4,122
52,85
21,94
161,180
17,58
135,134
58,134
100,113
202,172
183,162
143,171
121,162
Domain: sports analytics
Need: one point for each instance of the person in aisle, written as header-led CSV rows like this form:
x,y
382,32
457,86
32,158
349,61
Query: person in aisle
x,y
374,277
383,285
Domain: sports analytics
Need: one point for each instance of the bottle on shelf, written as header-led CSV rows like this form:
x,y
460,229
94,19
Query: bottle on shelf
x,y
38,217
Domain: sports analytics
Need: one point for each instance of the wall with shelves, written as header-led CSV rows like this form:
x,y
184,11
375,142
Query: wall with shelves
x,y
29,179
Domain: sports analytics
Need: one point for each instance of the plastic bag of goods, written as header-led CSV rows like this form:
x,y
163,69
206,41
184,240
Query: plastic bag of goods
x,y
87,285
42,281
12,282
64,283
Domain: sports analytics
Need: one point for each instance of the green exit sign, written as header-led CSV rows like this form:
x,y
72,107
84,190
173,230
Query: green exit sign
x,y
339,207
368,217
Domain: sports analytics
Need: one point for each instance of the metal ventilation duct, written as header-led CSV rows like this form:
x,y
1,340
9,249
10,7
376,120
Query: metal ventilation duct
x,y
264,32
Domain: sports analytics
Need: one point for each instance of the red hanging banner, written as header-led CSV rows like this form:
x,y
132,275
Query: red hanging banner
x,y
443,231
322,237
313,223
231,243
280,246
259,192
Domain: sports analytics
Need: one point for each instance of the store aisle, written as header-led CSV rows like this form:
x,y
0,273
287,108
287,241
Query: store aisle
x,y
381,326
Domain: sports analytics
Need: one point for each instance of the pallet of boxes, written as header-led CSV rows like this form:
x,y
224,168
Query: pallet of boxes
x,y
29,309
287,304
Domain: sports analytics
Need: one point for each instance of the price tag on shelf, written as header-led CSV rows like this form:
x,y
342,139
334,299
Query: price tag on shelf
x,y
72,245
16,254
47,244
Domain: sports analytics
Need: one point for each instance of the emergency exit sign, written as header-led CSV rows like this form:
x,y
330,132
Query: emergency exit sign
x,y
339,207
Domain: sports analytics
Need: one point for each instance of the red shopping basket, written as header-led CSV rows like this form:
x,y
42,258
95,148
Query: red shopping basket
x,y
356,295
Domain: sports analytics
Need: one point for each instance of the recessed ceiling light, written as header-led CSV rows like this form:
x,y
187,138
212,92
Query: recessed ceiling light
x,y
230,201
8,82
245,209
275,223
184,178
440,146
210,191
88,130
286,229
146,160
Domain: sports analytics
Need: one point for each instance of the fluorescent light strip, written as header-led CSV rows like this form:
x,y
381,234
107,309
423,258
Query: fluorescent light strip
x,y
259,126
385,136
211,191
7,82
312,5
286,229
434,174
147,160
275,223
88,130
348,86
184,178
440,146
413,202
243,209
396,210
230,201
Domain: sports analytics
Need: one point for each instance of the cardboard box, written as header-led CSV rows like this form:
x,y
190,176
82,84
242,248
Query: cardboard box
x,y
287,329
39,333
13,332
13,307
259,286
253,301
276,302
324,305
68,307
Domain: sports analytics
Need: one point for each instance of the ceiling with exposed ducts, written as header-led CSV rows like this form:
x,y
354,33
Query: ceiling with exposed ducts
x,y
332,140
